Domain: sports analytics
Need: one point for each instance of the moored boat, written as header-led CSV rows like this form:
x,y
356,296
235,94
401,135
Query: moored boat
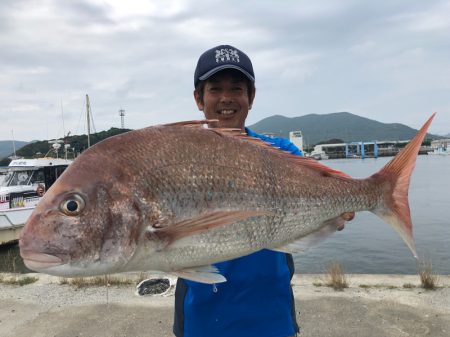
x,y
22,185
319,155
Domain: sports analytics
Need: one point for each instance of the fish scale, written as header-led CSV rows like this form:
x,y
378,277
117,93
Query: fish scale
x,y
245,235
177,198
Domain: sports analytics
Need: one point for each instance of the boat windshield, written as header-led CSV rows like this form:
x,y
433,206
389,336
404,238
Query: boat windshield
x,y
16,178
5,178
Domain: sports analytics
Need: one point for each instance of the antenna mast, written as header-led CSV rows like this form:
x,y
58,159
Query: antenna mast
x,y
122,117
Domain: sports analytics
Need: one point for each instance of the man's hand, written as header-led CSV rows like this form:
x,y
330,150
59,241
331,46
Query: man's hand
x,y
348,216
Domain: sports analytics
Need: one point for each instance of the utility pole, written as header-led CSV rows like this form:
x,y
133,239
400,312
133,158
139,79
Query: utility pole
x,y
122,117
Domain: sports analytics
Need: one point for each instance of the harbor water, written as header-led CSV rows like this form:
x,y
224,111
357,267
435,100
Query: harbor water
x,y
367,244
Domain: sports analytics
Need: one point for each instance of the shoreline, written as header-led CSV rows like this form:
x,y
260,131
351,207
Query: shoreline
x,y
373,305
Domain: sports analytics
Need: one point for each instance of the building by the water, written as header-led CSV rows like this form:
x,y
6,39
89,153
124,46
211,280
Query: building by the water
x,y
361,149
440,143
296,138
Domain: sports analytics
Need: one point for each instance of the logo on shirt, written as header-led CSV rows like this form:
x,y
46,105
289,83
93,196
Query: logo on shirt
x,y
227,55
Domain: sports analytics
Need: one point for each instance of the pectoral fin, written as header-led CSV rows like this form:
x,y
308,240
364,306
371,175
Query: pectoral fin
x,y
328,228
172,232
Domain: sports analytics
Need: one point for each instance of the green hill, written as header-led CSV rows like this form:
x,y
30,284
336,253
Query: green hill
x,y
340,125
315,129
77,145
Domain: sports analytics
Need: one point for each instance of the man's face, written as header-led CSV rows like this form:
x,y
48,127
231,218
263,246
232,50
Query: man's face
x,y
225,98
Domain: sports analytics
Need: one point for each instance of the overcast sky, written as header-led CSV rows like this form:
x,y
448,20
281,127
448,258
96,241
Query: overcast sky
x,y
385,60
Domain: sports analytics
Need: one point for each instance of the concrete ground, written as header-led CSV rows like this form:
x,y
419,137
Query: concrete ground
x,y
373,306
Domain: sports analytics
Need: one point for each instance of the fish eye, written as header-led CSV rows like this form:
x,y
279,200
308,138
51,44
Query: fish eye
x,y
72,205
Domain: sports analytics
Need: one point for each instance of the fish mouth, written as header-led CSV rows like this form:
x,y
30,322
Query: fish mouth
x,y
40,261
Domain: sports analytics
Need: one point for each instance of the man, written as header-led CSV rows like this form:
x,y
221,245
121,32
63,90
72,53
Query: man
x,y
257,299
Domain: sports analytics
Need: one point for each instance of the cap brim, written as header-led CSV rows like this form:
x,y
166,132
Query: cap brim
x,y
226,66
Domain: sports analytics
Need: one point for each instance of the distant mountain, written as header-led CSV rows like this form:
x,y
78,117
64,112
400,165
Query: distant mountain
x,y
340,125
6,147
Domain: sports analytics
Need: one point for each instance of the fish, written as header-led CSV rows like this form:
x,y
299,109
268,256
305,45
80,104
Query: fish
x,y
178,198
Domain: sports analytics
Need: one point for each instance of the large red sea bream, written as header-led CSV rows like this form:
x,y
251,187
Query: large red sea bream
x,y
177,198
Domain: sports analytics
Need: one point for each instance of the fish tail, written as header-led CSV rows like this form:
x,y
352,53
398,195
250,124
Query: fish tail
x,y
395,206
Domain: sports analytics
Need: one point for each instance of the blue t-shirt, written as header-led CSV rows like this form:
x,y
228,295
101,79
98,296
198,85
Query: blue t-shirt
x,y
256,300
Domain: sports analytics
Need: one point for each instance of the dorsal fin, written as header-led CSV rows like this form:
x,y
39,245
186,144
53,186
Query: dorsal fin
x,y
314,164
195,122
192,124
238,133
228,131
307,162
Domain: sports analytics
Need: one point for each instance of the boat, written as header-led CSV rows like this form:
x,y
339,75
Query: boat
x,y
441,150
22,185
319,155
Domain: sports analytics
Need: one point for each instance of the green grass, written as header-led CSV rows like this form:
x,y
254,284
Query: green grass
x,y
377,286
336,277
18,280
104,280
409,286
428,280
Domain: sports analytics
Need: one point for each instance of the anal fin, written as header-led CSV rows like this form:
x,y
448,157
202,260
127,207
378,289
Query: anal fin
x,y
202,274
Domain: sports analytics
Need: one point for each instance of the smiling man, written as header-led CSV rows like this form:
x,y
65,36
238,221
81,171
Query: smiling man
x,y
224,86
257,299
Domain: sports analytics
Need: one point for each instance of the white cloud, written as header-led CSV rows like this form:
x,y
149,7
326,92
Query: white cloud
x,y
387,61
363,47
433,18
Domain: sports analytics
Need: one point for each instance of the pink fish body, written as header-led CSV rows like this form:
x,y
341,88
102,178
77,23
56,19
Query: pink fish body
x,y
177,198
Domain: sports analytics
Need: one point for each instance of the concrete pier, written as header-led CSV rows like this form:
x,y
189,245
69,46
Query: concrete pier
x,y
373,306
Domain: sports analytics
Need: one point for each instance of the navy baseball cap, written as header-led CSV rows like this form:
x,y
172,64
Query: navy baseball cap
x,y
222,57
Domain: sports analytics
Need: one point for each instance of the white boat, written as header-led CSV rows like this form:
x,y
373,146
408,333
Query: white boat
x,y
319,155
22,185
443,151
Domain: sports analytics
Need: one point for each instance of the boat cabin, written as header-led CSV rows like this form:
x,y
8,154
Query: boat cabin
x,y
24,181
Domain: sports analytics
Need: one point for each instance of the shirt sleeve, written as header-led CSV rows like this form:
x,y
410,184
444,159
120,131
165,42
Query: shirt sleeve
x,y
282,143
